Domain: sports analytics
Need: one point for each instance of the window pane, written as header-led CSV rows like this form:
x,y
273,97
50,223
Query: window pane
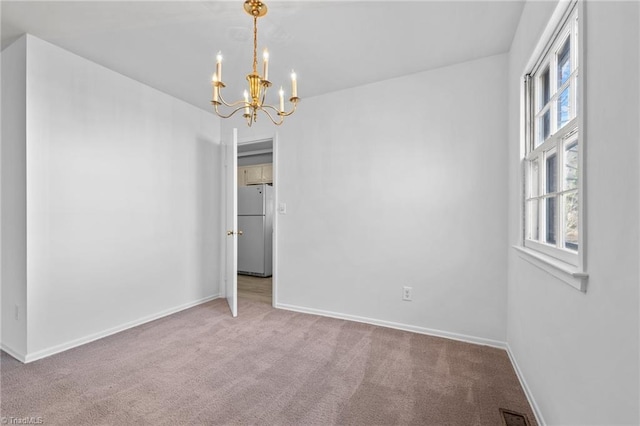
x,y
544,127
550,216
545,89
563,108
534,178
533,227
571,165
551,173
564,62
571,221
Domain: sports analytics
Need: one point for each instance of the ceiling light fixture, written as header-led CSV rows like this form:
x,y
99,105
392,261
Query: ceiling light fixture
x,y
254,99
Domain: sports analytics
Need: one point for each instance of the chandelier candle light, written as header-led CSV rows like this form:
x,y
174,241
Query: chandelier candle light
x,y
254,99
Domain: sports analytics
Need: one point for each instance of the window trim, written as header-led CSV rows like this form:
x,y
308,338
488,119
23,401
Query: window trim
x,y
568,266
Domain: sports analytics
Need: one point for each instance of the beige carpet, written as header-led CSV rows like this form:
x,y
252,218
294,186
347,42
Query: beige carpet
x,y
267,366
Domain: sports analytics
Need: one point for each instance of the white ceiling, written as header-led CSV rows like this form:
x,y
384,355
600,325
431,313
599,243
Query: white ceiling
x,y
332,45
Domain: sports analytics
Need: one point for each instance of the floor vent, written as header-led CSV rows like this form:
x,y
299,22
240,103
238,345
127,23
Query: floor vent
x,y
511,418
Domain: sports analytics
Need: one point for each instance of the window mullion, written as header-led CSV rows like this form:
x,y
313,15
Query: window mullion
x,y
559,190
542,217
574,45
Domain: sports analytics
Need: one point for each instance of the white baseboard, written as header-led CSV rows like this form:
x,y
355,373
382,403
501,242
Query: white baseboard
x,y
525,387
398,326
17,355
30,357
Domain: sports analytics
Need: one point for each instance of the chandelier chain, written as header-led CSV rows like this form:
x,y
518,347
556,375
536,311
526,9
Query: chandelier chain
x,y
255,44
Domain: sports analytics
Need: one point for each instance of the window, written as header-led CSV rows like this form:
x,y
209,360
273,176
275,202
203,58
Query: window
x,y
552,163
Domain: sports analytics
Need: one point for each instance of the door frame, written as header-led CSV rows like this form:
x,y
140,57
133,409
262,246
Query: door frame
x,y
276,214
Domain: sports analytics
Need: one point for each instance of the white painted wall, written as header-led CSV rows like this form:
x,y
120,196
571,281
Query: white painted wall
x,y
13,198
579,352
123,186
260,130
398,183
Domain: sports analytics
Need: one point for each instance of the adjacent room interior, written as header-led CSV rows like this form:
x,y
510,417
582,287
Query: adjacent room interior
x,y
444,229
255,219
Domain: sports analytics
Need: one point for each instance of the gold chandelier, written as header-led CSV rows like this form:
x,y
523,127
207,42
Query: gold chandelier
x,y
254,99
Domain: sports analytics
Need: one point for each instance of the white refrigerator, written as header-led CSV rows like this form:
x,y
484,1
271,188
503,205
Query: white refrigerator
x,y
255,220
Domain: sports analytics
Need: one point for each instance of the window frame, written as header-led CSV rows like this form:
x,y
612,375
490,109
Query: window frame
x,y
560,261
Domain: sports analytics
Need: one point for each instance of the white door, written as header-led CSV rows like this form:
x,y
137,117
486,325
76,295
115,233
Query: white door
x,y
231,230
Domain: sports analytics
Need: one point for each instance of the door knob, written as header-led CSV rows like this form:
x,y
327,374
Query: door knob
x,y
231,233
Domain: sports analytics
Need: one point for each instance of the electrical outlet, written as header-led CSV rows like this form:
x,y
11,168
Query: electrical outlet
x,y
407,293
16,312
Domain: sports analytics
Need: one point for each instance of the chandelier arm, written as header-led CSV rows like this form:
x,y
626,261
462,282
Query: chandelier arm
x,y
282,113
226,116
231,105
264,109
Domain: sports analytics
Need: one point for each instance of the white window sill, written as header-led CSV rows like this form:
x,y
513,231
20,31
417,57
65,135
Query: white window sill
x,y
561,270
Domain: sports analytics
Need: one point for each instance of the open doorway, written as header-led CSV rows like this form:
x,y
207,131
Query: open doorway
x,y
256,213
